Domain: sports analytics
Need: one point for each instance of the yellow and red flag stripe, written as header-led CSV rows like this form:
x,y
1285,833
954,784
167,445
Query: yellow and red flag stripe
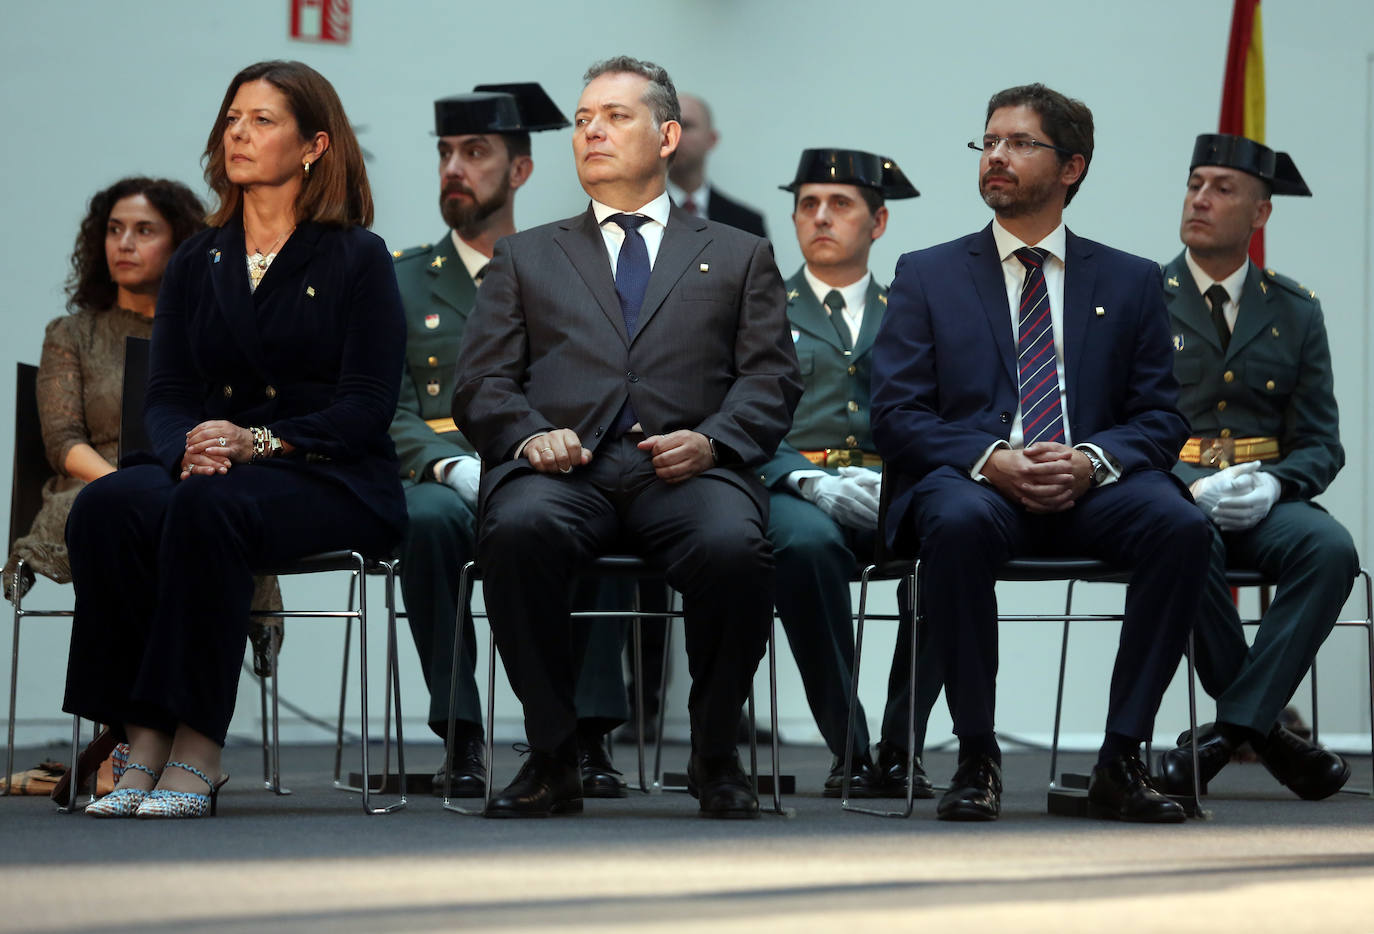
x,y
1242,93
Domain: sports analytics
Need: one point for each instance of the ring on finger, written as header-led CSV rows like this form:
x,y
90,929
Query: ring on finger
x,y
222,442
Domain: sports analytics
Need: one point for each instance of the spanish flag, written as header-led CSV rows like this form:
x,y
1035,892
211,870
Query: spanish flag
x,y
1242,94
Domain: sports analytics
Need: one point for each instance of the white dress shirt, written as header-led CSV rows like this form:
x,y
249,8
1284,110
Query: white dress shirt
x,y
652,232
1233,284
700,198
473,260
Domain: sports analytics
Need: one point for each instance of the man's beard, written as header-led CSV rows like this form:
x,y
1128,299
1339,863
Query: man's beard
x,y
467,216
1017,201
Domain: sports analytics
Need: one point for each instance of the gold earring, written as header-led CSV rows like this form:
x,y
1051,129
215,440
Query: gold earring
x,y
306,163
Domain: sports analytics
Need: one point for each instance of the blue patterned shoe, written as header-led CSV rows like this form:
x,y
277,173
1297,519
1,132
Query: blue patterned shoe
x,y
119,761
161,803
122,802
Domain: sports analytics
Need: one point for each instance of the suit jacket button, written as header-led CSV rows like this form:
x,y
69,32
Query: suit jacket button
x,y
433,361
853,406
1229,376
1269,385
271,392
1005,418
601,430
1221,406
228,392
853,369
1225,432
632,376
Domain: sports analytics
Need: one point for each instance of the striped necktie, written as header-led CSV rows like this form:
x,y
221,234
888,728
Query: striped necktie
x,y
1042,417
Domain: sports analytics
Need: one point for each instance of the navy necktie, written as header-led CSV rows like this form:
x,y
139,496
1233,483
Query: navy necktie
x,y
1042,417
631,281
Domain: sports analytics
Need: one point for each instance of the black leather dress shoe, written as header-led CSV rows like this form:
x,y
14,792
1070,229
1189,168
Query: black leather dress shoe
x,y
891,770
1121,790
975,791
863,779
544,786
600,779
1176,765
1308,770
719,783
468,765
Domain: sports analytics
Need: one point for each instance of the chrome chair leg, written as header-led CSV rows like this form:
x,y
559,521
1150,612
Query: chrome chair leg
x,y
464,612
14,673
1059,691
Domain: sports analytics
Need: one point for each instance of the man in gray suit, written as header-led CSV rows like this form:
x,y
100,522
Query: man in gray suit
x,y
621,374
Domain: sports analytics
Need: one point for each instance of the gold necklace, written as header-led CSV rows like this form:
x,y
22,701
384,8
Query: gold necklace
x,y
259,260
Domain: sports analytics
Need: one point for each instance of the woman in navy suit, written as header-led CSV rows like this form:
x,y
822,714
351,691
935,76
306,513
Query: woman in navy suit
x,y
276,347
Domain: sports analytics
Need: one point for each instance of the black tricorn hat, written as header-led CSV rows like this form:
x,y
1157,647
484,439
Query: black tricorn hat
x,y
537,109
852,167
1246,155
482,112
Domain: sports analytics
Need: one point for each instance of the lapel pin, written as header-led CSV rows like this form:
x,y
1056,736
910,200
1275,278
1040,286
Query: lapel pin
x,y
1178,341
792,295
1101,312
431,321
438,262
882,298
310,290
1264,287
796,335
705,267
214,256
1173,281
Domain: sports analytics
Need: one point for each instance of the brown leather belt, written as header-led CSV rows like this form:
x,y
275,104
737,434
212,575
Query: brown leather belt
x,y
441,425
843,457
1223,452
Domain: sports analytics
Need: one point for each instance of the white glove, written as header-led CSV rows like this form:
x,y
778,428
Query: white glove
x,y
843,499
1243,511
1233,481
871,480
464,477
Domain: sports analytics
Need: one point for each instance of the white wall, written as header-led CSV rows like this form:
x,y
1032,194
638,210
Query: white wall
x,y
91,91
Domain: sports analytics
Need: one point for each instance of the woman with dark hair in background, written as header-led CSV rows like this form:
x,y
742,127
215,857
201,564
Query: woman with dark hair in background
x,y
274,373
130,231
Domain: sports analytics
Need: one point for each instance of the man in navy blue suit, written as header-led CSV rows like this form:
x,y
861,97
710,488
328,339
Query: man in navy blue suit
x,y
1024,403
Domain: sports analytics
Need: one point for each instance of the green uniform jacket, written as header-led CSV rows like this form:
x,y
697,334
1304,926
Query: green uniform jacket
x,y
833,412
1274,379
438,294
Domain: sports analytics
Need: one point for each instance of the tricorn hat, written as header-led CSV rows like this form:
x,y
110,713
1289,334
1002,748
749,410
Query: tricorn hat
x,y
1246,155
852,167
497,108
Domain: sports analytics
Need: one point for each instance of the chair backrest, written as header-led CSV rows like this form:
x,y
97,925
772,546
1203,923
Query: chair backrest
x,y
133,434
31,468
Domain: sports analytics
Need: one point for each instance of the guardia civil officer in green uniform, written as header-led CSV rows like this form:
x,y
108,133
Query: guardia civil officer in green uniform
x,y
1252,360
824,479
484,157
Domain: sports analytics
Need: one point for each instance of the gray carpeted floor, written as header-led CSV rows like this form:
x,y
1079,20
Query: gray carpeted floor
x,y
312,861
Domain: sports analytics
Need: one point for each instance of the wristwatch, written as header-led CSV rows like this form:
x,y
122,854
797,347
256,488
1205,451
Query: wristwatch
x,y
1100,470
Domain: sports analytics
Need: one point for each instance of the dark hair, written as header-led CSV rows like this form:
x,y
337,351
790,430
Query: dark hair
x,y
1067,122
660,95
89,285
336,191
871,197
517,144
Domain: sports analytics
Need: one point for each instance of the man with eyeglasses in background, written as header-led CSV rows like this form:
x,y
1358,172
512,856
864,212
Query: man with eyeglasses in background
x,y
1024,404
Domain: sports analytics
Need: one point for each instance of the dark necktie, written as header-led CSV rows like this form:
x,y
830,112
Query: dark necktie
x,y
1216,296
834,304
1042,417
481,274
631,281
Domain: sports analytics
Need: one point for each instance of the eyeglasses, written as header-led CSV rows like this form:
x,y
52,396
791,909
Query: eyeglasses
x,y
1020,146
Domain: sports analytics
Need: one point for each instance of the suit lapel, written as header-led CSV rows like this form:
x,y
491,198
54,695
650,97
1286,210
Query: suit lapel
x,y
228,265
1255,315
1187,304
988,280
1080,275
807,314
449,282
581,241
875,303
683,239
